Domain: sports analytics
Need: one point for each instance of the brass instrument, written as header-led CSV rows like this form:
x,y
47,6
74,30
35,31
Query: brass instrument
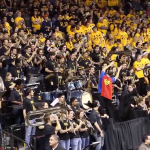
x,y
2,87
89,83
39,115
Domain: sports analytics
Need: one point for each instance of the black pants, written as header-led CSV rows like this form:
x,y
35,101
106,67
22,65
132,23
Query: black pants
x,y
108,106
141,87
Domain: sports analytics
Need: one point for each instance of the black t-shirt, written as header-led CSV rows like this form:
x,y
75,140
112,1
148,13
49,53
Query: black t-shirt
x,y
3,50
96,57
51,65
16,95
95,117
13,70
85,63
71,64
124,73
10,20
74,123
48,131
8,84
84,134
64,126
28,105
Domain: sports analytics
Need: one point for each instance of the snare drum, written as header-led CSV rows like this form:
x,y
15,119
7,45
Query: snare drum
x,y
70,86
78,84
83,97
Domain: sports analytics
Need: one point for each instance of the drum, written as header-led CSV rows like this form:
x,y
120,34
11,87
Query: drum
x,y
46,96
70,86
78,84
83,97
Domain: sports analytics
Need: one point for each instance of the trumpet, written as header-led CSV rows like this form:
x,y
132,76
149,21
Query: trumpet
x,y
39,115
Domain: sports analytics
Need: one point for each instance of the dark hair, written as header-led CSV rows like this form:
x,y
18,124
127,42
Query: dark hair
x,y
47,118
18,82
28,91
72,99
60,95
144,137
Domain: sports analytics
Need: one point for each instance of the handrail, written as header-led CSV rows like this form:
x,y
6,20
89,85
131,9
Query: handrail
x,y
13,136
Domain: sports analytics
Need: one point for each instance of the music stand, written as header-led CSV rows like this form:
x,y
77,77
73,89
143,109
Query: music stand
x,y
91,146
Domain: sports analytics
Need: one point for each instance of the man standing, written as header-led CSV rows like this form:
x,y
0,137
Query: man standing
x,y
28,105
105,88
146,143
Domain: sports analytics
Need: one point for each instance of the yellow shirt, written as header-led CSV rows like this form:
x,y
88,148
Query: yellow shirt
x,y
136,64
113,57
96,37
68,28
59,35
69,45
88,30
100,24
120,46
113,3
80,31
145,61
42,40
18,19
109,47
71,33
123,37
8,27
34,19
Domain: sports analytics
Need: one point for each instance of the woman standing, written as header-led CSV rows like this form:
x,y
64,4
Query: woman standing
x,y
64,132
49,129
84,130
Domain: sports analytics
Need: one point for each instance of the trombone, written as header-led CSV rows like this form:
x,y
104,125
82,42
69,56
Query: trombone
x,y
40,114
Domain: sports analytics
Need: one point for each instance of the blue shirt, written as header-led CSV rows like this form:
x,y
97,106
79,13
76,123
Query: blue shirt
x,y
100,81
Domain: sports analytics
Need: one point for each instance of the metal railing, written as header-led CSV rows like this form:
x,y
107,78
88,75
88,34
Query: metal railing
x,y
8,141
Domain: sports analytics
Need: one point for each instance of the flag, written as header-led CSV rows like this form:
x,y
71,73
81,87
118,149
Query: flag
x,y
107,88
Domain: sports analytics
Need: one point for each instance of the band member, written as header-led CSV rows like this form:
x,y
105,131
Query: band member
x,y
106,89
85,60
49,129
75,105
71,63
85,129
64,132
8,83
75,140
54,143
39,61
28,105
59,100
16,101
96,121
51,65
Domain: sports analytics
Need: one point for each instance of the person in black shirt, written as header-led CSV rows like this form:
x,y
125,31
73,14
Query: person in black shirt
x,y
5,50
28,105
84,130
75,139
64,132
10,18
8,83
96,121
16,100
75,105
54,143
49,129
71,63
2,9
85,61
51,69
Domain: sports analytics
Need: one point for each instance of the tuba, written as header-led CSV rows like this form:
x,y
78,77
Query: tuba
x,y
39,115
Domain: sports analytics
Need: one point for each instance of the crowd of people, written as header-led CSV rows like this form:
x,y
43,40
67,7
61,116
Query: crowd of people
x,y
92,57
